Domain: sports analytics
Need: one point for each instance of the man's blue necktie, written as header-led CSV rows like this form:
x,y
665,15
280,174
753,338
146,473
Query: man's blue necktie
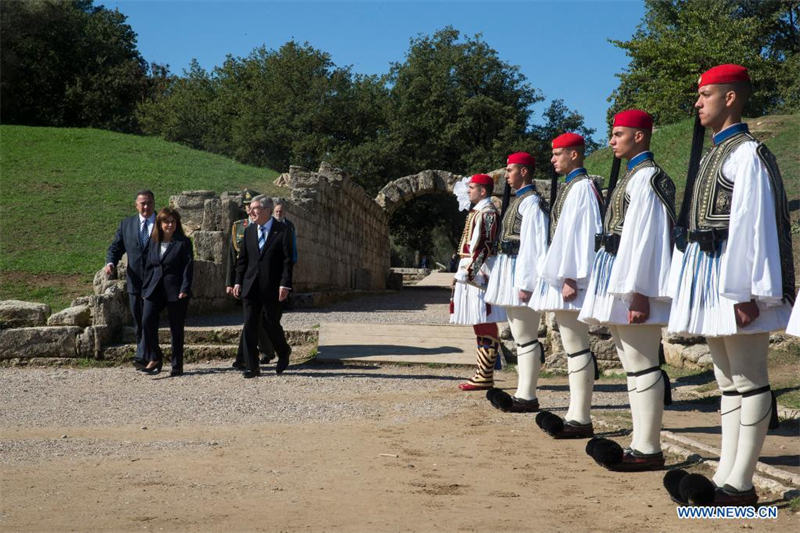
x,y
263,238
143,234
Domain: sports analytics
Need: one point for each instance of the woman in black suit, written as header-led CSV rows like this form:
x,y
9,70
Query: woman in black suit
x,y
167,283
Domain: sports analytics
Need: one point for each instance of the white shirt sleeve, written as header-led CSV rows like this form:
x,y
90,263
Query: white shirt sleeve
x,y
751,264
644,255
571,253
533,243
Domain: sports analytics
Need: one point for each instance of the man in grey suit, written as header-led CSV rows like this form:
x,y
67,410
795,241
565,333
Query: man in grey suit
x,y
131,238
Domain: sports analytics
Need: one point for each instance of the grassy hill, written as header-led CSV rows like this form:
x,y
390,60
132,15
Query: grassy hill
x,y
671,145
63,192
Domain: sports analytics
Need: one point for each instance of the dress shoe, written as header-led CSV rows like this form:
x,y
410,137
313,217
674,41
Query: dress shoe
x,y
573,430
266,358
727,495
155,370
250,374
175,373
469,386
634,461
239,366
139,363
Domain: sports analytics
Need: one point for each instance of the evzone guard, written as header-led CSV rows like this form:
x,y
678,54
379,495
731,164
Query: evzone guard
x,y
513,278
628,289
564,271
732,281
468,306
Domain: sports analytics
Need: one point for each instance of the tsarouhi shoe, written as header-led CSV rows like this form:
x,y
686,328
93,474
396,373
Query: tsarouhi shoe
x,y
727,495
502,400
469,386
558,428
695,489
634,461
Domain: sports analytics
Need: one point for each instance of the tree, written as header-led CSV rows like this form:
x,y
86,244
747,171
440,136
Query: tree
x,y
455,105
560,119
69,63
679,39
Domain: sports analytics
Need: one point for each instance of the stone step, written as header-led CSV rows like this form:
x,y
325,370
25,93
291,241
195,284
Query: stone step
x,y
192,353
224,335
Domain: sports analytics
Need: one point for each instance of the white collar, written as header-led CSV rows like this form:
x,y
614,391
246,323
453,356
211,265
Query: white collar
x,y
482,203
150,220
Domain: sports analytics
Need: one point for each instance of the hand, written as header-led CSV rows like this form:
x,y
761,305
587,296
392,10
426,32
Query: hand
x,y
237,290
283,293
639,309
182,295
569,291
746,313
229,291
109,270
524,295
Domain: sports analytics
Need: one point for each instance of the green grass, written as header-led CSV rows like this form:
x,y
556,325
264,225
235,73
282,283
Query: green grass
x,y
63,192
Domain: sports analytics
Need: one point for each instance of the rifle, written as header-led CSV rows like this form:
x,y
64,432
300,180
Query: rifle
x,y
612,180
681,225
506,199
553,195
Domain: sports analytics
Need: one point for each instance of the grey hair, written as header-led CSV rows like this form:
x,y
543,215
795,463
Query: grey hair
x,y
280,201
265,201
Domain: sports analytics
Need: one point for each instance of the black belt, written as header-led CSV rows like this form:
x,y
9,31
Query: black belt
x,y
708,239
509,247
609,240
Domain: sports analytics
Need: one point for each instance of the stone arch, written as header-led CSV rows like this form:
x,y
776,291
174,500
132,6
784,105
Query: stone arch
x,y
396,193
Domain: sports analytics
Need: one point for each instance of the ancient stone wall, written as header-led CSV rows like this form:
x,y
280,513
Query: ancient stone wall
x,y
342,234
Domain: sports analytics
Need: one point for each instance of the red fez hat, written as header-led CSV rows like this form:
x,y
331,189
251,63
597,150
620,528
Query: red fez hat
x,y
482,179
633,118
566,140
728,73
521,158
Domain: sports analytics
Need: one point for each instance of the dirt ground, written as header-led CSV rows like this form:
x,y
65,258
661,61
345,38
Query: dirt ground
x,y
470,468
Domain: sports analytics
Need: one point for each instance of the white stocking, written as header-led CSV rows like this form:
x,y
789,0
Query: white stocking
x,y
640,344
575,339
524,324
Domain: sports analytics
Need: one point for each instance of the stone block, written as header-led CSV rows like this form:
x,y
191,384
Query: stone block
x,y
212,215
18,314
686,355
210,246
60,341
79,315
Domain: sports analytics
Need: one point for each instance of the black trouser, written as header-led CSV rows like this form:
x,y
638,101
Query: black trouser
x,y
136,304
264,345
176,312
269,313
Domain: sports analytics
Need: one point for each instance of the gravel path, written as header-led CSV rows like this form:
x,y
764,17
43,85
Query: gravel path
x,y
409,306
63,400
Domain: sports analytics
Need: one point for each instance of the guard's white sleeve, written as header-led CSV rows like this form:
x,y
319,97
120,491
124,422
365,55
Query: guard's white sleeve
x,y
644,255
751,265
533,243
571,252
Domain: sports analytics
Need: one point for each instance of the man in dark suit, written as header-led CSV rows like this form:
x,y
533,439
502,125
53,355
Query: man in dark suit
x,y
263,280
133,235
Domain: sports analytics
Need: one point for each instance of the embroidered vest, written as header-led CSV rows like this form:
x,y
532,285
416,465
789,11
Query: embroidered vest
x,y
512,225
618,205
713,194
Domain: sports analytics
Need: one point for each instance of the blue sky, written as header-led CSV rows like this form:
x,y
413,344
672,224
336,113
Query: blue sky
x,y
561,47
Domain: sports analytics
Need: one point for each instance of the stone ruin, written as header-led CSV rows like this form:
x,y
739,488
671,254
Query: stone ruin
x,y
342,241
